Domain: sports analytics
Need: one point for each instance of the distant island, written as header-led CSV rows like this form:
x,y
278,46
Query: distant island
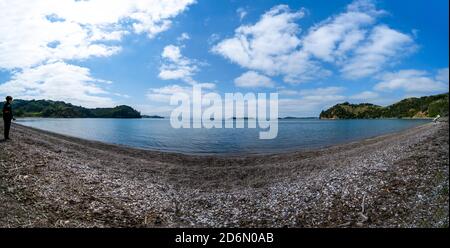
x,y
152,116
423,107
242,118
60,109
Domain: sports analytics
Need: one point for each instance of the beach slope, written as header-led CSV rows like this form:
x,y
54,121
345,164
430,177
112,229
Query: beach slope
x,y
394,180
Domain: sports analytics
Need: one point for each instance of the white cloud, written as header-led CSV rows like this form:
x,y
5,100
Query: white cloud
x,y
252,79
37,34
172,53
58,81
351,42
334,37
414,81
366,6
160,98
365,96
332,90
442,75
383,45
176,66
287,92
184,36
163,94
309,102
308,105
302,103
258,46
213,38
241,12
80,27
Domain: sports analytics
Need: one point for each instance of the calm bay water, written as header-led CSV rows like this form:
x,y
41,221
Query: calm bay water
x,y
157,134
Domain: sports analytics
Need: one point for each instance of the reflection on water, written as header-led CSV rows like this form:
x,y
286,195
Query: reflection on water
x,y
159,135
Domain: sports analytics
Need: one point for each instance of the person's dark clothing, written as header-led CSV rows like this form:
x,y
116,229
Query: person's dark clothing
x,y
6,127
7,117
7,111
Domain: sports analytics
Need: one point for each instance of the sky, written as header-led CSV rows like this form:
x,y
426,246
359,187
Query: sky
x,y
102,53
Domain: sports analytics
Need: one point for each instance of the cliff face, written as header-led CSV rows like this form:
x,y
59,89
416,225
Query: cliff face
x,y
428,106
59,109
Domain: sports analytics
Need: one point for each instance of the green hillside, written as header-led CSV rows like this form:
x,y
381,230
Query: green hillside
x,y
59,109
427,106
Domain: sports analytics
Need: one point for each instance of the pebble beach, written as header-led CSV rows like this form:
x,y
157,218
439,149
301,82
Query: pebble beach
x,y
395,180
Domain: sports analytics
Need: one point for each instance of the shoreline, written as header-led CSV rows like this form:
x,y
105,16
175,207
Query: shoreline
x,y
219,155
186,155
53,180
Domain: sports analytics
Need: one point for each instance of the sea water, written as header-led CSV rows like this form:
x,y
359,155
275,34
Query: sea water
x,y
157,134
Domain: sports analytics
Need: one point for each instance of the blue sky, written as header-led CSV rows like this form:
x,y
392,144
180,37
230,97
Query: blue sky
x,y
314,53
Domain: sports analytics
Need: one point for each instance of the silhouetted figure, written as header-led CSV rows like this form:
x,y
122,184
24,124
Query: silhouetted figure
x,y
7,116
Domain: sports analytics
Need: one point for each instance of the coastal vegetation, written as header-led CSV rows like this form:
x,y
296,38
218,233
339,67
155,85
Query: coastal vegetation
x,y
59,109
423,107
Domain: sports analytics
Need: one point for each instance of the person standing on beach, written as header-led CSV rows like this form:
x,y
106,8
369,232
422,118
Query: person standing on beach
x,y
7,116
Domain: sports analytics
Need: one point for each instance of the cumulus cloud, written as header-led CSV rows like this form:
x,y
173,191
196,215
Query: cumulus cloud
x,y
414,81
175,66
252,79
352,42
258,46
332,38
80,27
45,33
383,45
58,81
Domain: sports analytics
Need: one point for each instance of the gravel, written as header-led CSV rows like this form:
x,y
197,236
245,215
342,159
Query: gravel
x,y
394,180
